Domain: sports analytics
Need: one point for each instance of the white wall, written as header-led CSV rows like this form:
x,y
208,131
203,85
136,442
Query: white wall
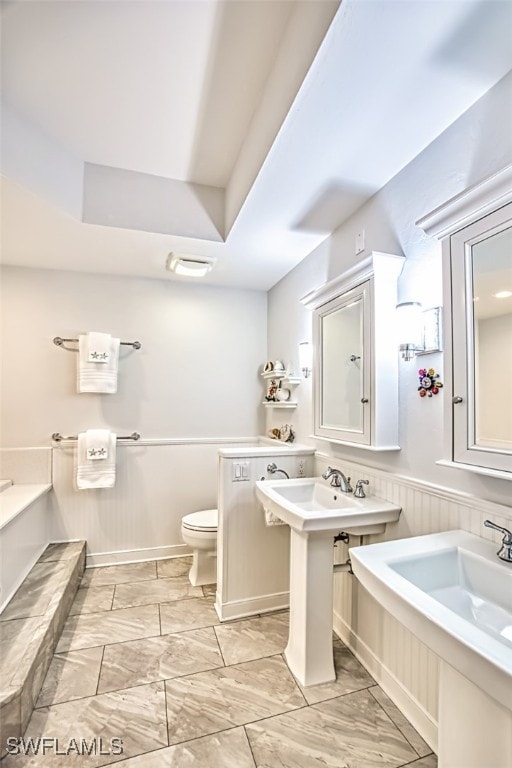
x,y
433,498
479,143
195,380
196,374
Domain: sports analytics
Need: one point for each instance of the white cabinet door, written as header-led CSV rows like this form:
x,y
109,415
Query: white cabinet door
x,y
481,292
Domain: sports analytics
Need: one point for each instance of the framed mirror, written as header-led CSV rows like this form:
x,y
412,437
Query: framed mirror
x,y
341,330
481,275
475,227
355,370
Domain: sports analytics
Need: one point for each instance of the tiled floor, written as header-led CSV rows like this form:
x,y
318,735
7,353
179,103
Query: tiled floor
x,y
143,658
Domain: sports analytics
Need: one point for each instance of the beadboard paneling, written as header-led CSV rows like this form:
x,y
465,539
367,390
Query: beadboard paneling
x,y
156,485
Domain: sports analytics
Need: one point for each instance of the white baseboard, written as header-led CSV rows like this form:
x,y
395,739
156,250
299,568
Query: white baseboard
x,y
410,708
239,609
97,559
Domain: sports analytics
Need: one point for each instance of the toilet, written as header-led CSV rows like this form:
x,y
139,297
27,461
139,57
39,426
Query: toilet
x,y
199,531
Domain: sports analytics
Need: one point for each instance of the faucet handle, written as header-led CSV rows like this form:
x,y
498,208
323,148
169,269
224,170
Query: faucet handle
x,y
507,535
359,491
505,551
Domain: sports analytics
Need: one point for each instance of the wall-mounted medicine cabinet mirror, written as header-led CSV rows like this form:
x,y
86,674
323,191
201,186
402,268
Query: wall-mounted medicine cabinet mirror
x,y
476,229
355,373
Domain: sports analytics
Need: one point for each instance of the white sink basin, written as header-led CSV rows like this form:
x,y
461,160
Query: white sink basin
x,y
453,592
310,504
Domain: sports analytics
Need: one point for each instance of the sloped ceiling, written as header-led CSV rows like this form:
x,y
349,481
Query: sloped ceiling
x,y
247,130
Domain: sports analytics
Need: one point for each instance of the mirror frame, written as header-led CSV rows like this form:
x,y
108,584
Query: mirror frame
x,y
360,293
380,271
447,223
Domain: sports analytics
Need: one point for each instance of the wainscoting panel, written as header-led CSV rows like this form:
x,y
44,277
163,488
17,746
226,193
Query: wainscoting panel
x,y
157,484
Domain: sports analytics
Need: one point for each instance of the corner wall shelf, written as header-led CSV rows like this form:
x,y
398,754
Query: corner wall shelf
x,y
280,378
278,404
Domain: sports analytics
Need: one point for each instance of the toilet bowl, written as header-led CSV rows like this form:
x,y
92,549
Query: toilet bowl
x,y
199,531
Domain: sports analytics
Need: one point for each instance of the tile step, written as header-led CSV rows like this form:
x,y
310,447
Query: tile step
x,y
30,628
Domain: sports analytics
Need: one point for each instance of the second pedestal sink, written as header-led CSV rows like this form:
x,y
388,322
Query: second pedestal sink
x,y
452,591
311,505
315,512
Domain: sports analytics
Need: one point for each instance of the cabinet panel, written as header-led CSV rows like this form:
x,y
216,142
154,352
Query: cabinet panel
x,y
475,227
481,279
355,376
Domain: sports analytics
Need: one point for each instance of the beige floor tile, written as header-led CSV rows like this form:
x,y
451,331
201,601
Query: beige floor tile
x,y
182,615
109,627
136,716
253,638
209,702
174,566
119,574
155,591
93,600
348,732
401,722
72,675
158,658
229,749
350,676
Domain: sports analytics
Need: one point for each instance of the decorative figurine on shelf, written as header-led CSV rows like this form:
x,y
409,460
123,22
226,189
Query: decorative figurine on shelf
x,y
429,384
271,391
287,433
284,433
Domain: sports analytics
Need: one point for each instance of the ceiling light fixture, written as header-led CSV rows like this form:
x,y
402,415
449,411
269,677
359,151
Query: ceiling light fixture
x,y
189,266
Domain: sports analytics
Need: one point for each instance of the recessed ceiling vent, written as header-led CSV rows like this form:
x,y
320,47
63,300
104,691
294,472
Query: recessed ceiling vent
x,y
189,266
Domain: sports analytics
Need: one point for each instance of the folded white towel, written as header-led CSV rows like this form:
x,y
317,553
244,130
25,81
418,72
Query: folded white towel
x,y
97,444
101,375
91,473
99,347
272,519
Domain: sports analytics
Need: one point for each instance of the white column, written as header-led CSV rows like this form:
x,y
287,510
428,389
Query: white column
x,y
309,652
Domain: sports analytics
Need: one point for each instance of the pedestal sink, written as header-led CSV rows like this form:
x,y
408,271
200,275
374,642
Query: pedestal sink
x,y
452,591
316,512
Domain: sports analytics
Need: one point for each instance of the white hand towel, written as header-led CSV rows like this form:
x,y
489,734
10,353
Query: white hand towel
x,y
97,376
272,519
91,473
99,347
97,444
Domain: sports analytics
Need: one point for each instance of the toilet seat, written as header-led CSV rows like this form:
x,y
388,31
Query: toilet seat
x,y
205,520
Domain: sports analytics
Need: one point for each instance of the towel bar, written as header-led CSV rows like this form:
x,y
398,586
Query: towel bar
x,y
60,341
57,437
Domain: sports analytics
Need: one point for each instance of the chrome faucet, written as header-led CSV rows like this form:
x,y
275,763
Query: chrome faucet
x,y
505,552
273,468
338,480
359,491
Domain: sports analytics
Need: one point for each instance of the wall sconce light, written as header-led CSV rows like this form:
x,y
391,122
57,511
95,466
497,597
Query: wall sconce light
x,y
419,330
189,266
305,358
